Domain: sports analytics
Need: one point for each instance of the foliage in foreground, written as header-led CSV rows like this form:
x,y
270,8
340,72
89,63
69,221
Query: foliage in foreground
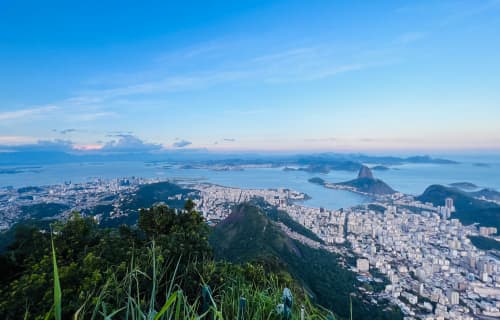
x,y
155,271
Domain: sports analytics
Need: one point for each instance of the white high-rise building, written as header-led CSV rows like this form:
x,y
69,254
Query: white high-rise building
x,y
453,297
449,204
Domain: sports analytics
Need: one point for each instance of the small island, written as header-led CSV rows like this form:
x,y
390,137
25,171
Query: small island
x,y
380,168
317,180
365,183
481,164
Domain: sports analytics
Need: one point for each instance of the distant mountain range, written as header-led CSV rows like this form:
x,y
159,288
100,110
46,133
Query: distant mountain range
x,y
483,194
323,162
362,158
464,185
487,194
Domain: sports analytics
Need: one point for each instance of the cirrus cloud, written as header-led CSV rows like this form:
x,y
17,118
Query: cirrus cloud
x,y
25,113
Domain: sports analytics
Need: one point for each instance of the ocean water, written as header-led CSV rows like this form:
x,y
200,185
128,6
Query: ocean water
x,y
407,178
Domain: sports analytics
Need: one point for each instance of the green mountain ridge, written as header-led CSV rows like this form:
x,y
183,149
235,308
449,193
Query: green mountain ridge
x,y
249,235
469,210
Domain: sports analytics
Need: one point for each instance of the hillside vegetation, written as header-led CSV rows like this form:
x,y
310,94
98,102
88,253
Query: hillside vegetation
x,y
157,269
248,235
468,209
153,271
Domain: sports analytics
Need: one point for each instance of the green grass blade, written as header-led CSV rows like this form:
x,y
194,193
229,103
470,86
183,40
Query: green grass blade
x,y
178,306
76,316
57,286
111,315
48,314
166,306
153,290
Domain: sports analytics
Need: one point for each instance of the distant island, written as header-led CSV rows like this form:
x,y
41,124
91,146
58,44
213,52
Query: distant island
x,y
10,171
380,168
16,170
324,163
317,180
328,166
428,159
481,164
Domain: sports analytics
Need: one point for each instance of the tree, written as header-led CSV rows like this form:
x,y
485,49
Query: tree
x,y
177,232
189,205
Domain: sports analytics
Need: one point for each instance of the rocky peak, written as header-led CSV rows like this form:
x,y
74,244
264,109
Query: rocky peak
x,y
365,172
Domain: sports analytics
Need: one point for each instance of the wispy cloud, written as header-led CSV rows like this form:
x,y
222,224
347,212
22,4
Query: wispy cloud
x,y
40,145
167,84
66,131
464,10
327,139
290,64
449,12
15,140
410,37
205,49
26,114
118,133
181,143
287,54
316,73
93,116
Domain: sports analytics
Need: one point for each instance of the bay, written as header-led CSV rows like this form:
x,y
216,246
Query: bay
x,y
407,178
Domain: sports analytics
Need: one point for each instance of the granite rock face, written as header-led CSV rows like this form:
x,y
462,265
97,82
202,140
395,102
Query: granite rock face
x,y
365,172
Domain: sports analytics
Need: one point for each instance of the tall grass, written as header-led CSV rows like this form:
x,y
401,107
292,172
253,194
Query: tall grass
x,y
56,308
125,298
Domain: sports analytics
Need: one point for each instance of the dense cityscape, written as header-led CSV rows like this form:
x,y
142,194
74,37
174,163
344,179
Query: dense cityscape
x,y
434,270
250,160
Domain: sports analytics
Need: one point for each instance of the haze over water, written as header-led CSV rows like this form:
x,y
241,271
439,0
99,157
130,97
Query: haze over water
x,y
407,178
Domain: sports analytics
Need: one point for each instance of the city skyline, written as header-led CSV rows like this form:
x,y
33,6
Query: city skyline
x,y
262,76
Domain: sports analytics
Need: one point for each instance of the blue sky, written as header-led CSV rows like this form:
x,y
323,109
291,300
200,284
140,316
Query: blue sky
x,y
250,75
